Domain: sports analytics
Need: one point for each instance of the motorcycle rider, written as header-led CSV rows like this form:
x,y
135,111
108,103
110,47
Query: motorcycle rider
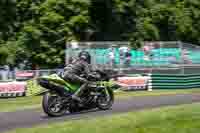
x,y
74,70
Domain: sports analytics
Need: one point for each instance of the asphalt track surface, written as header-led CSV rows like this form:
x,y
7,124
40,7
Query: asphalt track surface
x,y
29,118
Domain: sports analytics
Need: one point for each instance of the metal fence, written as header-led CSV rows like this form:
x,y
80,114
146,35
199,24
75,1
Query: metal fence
x,y
152,57
22,75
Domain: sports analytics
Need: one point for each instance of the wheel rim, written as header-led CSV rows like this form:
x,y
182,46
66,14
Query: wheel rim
x,y
105,100
55,106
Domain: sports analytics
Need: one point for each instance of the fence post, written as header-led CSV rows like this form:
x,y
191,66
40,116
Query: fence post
x,y
149,85
37,73
182,58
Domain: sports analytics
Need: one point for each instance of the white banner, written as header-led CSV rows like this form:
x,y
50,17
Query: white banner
x,y
133,82
12,87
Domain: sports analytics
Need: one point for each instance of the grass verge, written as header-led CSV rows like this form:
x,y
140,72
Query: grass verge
x,y
178,119
14,104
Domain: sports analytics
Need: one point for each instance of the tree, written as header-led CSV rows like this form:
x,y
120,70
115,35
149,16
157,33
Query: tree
x,y
44,36
35,31
7,19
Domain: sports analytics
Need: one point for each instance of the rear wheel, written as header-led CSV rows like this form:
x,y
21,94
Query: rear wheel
x,y
106,99
52,105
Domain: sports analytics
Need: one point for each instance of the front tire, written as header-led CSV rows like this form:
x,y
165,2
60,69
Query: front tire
x,y
106,100
52,105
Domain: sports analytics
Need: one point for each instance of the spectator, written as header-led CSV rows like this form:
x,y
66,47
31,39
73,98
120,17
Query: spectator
x,y
128,58
111,56
185,57
125,55
147,48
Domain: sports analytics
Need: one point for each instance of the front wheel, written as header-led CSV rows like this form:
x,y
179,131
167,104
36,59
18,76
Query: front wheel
x,y
106,99
52,105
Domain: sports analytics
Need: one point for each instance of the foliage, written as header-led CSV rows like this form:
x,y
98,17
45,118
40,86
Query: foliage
x,y
37,30
3,55
20,103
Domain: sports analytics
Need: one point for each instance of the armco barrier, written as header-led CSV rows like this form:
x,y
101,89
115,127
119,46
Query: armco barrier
x,y
164,81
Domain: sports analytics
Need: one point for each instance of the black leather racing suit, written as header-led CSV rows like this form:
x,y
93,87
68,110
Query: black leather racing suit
x,y
73,71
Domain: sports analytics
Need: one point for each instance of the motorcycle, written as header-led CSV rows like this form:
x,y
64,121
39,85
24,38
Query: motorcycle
x,y
98,95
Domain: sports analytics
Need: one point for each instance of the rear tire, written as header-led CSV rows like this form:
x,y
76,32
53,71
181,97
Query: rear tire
x,y
101,104
49,103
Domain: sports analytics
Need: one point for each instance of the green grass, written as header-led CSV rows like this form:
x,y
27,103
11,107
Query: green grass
x,y
14,104
8,105
179,119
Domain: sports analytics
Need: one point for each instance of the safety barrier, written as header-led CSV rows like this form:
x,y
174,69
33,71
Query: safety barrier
x,y
164,81
19,89
133,82
12,89
148,82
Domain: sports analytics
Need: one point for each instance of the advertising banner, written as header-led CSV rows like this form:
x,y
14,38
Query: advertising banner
x,y
12,89
24,74
135,83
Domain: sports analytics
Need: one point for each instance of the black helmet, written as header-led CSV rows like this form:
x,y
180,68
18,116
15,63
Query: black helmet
x,y
84,55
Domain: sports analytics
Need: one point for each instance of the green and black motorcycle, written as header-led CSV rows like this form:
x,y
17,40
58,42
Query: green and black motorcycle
x,y
98,95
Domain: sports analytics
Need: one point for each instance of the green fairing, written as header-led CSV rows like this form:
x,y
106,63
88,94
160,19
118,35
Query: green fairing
x,y
106,83
54,78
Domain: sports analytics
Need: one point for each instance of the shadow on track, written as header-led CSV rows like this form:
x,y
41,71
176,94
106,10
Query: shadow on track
x,y
75,113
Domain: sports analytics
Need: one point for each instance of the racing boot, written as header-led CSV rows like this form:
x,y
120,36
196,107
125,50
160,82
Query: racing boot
x,y
77,95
